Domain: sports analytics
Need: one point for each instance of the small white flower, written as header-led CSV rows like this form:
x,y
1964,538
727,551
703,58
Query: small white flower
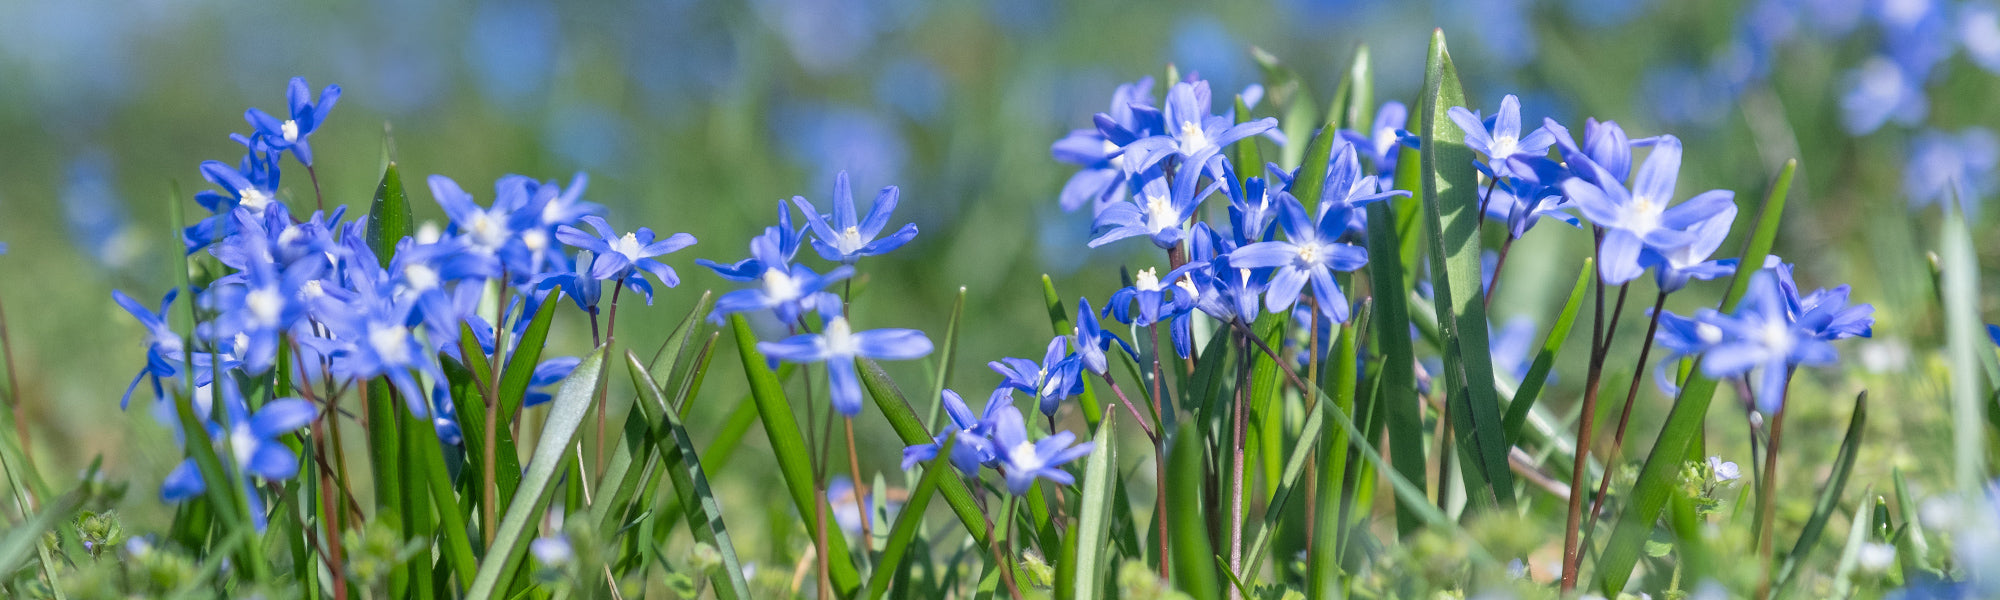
x,y
1724,470
551,551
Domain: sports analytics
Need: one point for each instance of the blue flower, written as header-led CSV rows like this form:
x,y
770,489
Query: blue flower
x,y
1675,265
253,440
618,257
1193,132
1386,138
1639,219
838,345
163,345
1101,151
306,117
1762,336
1880,91
1943,164
1156,301
1023,461
1523,200
846,240
1681,337
784,289
484,230
532,251
576,282
256,309
1504,140
1092,341
1310,252
1252,209
974,448
1604,144
1156,211
1057,377
782,239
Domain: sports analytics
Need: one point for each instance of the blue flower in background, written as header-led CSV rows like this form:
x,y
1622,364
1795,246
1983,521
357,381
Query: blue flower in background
x,y
782,239
97,218
306,117
1101,151
838,345
619,257
1824,312
1386,138
846,239
1943,164
1979,34
1193,132
1639,219
1504,140
1023,461
1880,91
1058,376
1310,252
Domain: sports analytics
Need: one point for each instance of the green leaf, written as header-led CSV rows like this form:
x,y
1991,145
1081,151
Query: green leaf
x,y
1913,550
566,412
910,519
684,466
1311,181
896,409
1451,208
1965,338
1248,160
1094,550
1660,475
1288,90
1538,373
457,548
1187,520
1323,569
385,456
781,427
520,368
1355,98
23,539
1398,378
1850,553
1829,496
389,218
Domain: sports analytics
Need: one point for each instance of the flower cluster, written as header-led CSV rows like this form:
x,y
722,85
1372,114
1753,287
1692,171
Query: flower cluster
x,y
338,308
1773,331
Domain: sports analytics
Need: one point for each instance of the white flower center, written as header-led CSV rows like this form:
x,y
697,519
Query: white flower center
x,y
265,305
254,198
487,232
1644,214
1708,334
1116,161
1160,212
628,246
1187,285
311,290
1504,146
850,240
391,343
242,443
291,130
535,239
1309,253
429,233
421,278
1776,336
1193,139
780,286
1147,280
1023,458
838,338
290,235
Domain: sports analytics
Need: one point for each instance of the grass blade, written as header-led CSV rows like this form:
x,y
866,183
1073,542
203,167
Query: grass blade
x,y
1661,472
948,351
1187,520
389,219
1323,566
781,427
510,542
684,466
1451,213
1965,338
1538,373
1398,377
910,519
25,538
1829,495
903,419
1286,88
457,549
1093,527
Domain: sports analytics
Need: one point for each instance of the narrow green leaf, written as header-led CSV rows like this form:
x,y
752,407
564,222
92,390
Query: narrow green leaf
x,y
1829,496
24,539
896,409
389,218
1913,550
1965,338
1288,90
1538,373
781,427
1451,208
1403,408
910,519
1358,113
1094,549
1310,183
1661,473
566,412
1850,553
457,549
521,366
1323,567
948,351
684,465
1187,519
385,457
1249,162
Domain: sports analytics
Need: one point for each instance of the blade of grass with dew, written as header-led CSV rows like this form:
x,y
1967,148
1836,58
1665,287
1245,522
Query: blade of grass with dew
x,y
1661,471
910,519
781,427
1403,409
1059,319
1094,549
565,417
903,419
683,462
1538,373
1187,520
1965,338
1451,207
1829,496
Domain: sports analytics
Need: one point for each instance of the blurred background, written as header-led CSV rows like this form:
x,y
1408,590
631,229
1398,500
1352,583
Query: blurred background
x,y
699,117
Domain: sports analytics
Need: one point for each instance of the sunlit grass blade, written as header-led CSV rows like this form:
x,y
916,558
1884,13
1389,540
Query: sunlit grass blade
x,y
1323,564
1538,373
781,427
910,520
520,367
1964,338
1661,472
1913,548
679,456
1451,209
1354,104
1311,181
1092,535
896,409
1829,496
1187,519
565,417
1402,409
389,217
686,337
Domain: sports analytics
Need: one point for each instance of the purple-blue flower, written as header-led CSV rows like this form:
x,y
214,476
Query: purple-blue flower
x,y
1101,150
1675,265
1943,164
1157,211
1193,132
1058,376
846,239
1310,252
1091,341
784,289
838,345
1636,220
973,448
1386,138
1023,461
619,257
1156,301
1504,140
1762,336
782,240
163,345
306,117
